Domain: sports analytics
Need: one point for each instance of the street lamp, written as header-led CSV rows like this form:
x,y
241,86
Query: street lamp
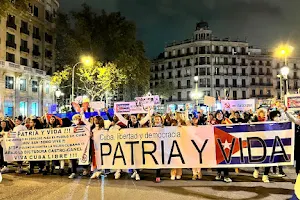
x,y
196,95
283,51
85,60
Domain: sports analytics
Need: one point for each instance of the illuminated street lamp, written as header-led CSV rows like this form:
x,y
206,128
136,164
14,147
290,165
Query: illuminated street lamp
x,y
85,60
284,51
195,95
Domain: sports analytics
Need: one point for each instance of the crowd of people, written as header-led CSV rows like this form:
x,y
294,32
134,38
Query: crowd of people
x,y
119,121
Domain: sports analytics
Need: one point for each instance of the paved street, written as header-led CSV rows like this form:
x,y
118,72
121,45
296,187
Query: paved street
x,y
55,187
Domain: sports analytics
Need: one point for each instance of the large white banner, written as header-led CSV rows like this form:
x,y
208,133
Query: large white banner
x,y
238,105
47,144
267,144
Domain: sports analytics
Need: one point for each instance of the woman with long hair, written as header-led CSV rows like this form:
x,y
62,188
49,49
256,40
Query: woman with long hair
x,y
35,124
4,129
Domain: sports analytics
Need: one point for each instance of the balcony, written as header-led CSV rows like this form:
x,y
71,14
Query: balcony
x,y
244,64
188,65
178,66
219,86
169,67
269,74
187,75
11,24
178,76
253,73
189,86
261,74
170,77
20,68
11,44
24,49
36,36
244,74
24,30
253,64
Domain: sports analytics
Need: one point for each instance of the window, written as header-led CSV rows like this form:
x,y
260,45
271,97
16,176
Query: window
x,y
48,16
178,52
243,61
10,57
261,81
36,11
234,61
24,61
233,71
169,64
188,95
226,71
234,83
243,72
217,71
36,33
295,74
268,71
36,51
197,72
226,82
156,68
162,75
260,71
24,46
234,94
34,86
151,85
35,65
217,82
34,109
253,92
10,40
156,76
188,83
243,82
23,84
11,22
261,92
8,109
162,67
188,63
24,27
178,63
269,81
23,108
9,82
253,81
269,92
225,61
179,96
156,83
244,94
179,84
48,54
178,73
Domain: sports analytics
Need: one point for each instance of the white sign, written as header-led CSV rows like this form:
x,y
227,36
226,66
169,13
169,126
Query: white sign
x,y
292,102
47,144
238,105
147,100
97,105
129,108
209,101
262,144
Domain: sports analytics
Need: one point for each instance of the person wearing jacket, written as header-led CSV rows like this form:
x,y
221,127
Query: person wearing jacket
x,y
4,129
19,127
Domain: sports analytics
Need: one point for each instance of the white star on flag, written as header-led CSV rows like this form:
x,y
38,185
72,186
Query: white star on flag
x,y
226,145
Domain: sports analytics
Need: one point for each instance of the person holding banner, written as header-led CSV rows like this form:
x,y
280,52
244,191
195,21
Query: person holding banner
x,y
98,125
4,129
35,124
134,123
220,119
19,127
262,116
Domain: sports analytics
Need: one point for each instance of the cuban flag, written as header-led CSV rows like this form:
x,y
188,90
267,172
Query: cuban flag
x,y
258,144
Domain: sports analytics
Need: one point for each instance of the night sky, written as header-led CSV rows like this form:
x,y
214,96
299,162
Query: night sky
x,y
265,23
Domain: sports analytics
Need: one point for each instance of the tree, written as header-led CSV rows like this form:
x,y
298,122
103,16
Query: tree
x,y
164,90
20,5
95,80
107,37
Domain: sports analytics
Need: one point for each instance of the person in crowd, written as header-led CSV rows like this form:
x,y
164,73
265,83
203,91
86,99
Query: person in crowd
x,y
4,129
66,122
27,123
52,123
236,118
19,127
35,124
296,120
134,123
158,122
275,116
261,116
98,124
220,119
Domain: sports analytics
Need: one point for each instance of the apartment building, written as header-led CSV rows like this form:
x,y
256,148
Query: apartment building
x,y
224,67
27,45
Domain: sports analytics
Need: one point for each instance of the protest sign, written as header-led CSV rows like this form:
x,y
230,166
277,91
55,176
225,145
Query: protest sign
x,y
209,101
238,105
147,101
46,144
292,102
97,105
129,108
259,144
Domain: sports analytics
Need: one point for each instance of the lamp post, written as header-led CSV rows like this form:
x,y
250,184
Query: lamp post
x,y
86,60
196,79
58,93
284,51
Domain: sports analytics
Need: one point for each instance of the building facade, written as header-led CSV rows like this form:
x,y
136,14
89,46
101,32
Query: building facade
x,y
27,45
224,67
